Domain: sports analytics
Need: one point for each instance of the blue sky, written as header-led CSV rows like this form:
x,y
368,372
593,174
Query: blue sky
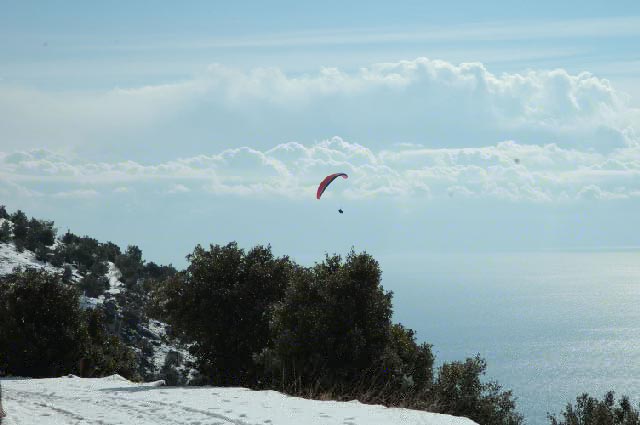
x,y
463,125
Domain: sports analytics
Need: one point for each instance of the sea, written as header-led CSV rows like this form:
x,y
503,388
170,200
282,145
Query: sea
x,y
551,325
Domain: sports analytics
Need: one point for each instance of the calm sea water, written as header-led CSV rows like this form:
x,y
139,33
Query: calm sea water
x,y
551,325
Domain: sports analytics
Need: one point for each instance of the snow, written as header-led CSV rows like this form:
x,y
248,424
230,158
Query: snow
x,y
162,347
10,258
114,400
87,303
114,275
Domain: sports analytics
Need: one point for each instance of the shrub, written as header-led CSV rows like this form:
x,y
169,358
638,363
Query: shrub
x,y
130,265
458,390
41,331
40,234
5,232
591,411
93,285
106,353
407,369
221,303
20,227
332,326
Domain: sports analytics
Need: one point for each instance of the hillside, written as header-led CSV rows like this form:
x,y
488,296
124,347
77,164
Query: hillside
x,y
122,303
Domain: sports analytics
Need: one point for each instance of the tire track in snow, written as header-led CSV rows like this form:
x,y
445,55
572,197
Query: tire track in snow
x,y
33,399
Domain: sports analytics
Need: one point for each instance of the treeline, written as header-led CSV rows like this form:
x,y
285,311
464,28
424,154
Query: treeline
x,y
591,411
86,254
265,322
256,320
34,235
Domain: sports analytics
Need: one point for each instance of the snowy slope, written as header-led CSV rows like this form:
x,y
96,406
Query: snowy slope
x,y
114,400
155,332
10,258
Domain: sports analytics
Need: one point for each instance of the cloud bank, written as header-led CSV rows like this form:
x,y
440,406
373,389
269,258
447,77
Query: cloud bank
x,y
507,171
424,101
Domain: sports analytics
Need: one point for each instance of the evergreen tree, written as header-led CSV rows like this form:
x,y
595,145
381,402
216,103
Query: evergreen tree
x,y
20,227
41,325
67,274
5,232
459,391
221,303
591,411
332,326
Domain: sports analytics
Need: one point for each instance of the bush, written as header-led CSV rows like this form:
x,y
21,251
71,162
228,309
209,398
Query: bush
x,y
169,371
221,303
323,332
44,333
106,353
332,327
591,411
130,265
93,285
41,331
458,391
40,234
158,273
407,369
5,232
20,227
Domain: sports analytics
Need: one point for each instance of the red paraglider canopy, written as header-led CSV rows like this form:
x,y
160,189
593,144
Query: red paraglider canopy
x,y
327,181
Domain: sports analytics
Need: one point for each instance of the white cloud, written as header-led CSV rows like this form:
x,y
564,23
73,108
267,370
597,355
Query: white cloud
x,y
507,170
432,102
177,188
76,194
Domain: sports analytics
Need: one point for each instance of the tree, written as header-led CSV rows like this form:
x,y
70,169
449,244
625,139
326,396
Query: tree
x,y
5,232
591,411
3,212
221,303
20,227
67,274
459,391
157,272
40,233
109,251
332,326
41,325
130,265
44,332
93,285
41,252
407,368
106,353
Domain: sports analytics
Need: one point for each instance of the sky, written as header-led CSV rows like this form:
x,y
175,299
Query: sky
x,y
463,126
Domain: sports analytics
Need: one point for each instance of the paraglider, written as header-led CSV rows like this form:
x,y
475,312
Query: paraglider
x,y
327,181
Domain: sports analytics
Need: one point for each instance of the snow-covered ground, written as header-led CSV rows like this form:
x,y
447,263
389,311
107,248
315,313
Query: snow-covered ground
x,y
163,346
156,332
114,400
114,275
10,258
